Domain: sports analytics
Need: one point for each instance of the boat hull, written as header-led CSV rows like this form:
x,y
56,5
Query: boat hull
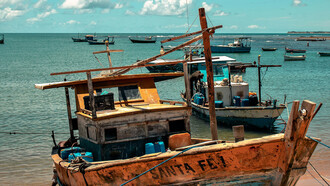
x,y
251,117
228,49
142,41
79,40
324,54
100,43
219,164
294,58
269,49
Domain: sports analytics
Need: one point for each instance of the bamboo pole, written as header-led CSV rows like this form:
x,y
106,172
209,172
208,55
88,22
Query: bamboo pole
x,y
91,94
108,54
209,71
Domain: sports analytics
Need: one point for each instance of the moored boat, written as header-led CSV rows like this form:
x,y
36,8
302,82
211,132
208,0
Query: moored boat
x,y
294,58
311,39
269,49
102,41
324,53
289,50
237,47
85,39
144,40
2,39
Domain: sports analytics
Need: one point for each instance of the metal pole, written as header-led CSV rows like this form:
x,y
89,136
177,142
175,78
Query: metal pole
x,y
259,80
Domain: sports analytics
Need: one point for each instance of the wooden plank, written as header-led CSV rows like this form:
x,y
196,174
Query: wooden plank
x,y
91,94
187,84
107,51
209,71
68,108
309,106
190,34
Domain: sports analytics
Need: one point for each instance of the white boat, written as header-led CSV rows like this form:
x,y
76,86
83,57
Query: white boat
x,y
294,58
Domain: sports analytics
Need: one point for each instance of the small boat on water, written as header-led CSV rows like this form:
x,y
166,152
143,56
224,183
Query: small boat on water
x,y
144,40
2,39
269,49
294,58
311,39
237,47
87,38
140,139
102,41
288,50
324,53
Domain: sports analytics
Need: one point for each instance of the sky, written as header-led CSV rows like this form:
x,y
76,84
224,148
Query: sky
x,y
162,16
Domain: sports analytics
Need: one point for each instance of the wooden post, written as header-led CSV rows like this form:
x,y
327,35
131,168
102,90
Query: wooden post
x,y
108,54
91,94
68,108
230,88
187,83
259,80
238,132
209,71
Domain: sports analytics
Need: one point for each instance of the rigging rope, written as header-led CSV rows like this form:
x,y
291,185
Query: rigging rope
x,y
318,173
318,141
314,177
158,165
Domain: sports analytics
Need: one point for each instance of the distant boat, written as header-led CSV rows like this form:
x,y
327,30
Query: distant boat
x,y
145,40
269,49
87,38
2,39
324,53
294,58
310,39
288,50
237,47
102,42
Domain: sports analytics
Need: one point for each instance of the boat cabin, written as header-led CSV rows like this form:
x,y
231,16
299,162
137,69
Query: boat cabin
x,y
241,42
128,114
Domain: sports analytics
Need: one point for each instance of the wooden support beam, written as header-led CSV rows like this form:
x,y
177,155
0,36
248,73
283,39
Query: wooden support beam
x,y
187,84
68,108
108,54
107,51
190,34
209,71
91,94
238,132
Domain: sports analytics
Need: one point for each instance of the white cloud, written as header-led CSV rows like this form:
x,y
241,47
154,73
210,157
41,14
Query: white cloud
x,y
256,27
178,26
220,13
297,3
207,7
87,4
118,6
40,4
72,22
6,3
128,12
165,7
42,15
92,23
234,27
8,14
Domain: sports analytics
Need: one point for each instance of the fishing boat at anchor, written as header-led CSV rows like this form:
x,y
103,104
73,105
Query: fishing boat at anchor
x,y
124,142
294,58
240,45
144,40
2,39
324,53
269,49
85,39
102,41
290,50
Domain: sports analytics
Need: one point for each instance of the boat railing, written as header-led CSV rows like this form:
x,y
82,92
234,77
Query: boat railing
x,y
172,102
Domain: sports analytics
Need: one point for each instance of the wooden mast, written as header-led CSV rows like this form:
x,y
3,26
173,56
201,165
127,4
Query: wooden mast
x,y
259,80
209,71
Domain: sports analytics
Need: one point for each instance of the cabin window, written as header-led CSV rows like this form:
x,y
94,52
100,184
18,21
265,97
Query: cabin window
x,y
128,92
218,70
110,134
177,126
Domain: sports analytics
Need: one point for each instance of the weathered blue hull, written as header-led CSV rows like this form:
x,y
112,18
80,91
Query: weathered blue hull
x,y
251,117
227,49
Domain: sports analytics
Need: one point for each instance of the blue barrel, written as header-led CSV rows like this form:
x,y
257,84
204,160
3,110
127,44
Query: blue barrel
x,y
245,102
159,146
200,100
88,156
149,148
237,101
72,156
218,104
65,152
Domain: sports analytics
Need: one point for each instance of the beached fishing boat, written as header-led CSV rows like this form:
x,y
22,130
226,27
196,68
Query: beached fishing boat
x,y
294,58
289,50
269,49
324,53
240,45
2,39
144,40
102,41
87,38
124,142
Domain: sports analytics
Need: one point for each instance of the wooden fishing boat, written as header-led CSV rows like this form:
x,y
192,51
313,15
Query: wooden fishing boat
x,y
123,142
2,39
237,47
288,50
294,58
324,53
269,49
102,41
87,38
144,40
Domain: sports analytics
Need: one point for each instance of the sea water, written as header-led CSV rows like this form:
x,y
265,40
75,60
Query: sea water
x,y
27,59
